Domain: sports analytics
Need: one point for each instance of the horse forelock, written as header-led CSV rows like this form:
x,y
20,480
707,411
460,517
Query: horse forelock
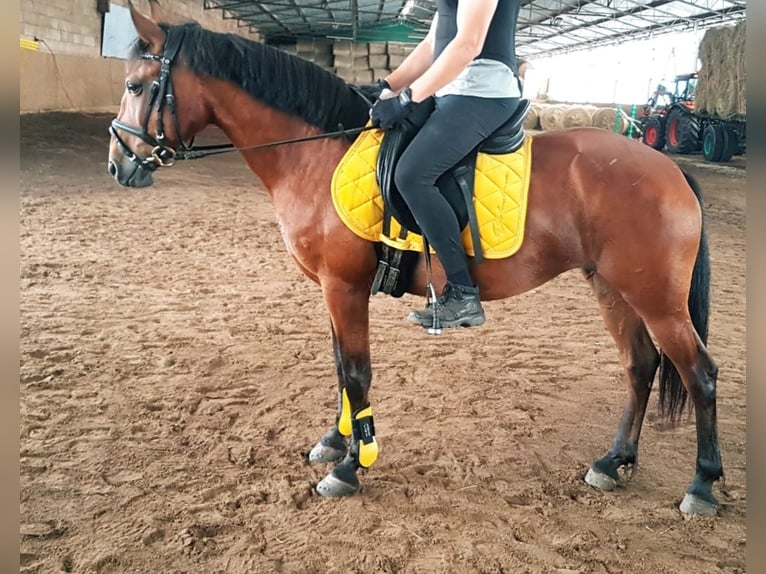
x,y
277,79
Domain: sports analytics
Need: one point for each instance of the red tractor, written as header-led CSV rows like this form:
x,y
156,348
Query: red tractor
x,y
670,121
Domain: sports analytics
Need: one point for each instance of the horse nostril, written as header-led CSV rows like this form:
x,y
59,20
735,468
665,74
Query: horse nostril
x,y
112,168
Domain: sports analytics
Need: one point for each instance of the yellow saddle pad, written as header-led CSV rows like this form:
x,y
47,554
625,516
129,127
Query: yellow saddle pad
x,y
500,197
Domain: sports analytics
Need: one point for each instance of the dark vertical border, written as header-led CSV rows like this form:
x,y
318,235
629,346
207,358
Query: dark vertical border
x,y
9,291
756,284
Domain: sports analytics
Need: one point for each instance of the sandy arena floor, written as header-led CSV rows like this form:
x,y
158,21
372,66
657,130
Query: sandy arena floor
x,y
176,368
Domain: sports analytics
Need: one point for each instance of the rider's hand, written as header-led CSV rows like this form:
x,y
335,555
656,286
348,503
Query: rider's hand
x,y
388,113
372,92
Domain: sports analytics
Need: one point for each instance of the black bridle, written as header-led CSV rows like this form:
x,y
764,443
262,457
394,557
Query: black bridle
x,y
162,97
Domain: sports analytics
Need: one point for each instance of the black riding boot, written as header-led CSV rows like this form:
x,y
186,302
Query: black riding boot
x,y
458,306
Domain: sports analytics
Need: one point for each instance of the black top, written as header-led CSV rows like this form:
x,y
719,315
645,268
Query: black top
x,y
501,37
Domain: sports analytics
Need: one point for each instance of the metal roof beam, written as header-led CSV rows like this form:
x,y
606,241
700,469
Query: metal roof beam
x,y
543,24
286,7
227,4
707,19
637,9
708,6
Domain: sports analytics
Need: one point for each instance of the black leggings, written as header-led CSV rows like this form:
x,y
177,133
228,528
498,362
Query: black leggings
x,y
456,126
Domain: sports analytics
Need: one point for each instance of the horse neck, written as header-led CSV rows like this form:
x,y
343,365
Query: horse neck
x,y
247,122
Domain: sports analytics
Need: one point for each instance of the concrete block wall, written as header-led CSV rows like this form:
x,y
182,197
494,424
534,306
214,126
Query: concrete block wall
x,y
74,26
66,26
68,72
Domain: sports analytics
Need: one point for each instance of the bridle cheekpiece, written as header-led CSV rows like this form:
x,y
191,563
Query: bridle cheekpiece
x,y
161,97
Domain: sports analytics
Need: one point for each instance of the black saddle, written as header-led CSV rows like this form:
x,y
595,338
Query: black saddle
x,y
457,186
508,137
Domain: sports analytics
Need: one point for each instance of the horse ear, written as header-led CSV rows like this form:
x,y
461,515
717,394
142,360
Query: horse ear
x,y
157,12
147,29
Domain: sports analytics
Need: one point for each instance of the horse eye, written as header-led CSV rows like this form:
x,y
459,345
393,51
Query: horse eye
x,y
134,88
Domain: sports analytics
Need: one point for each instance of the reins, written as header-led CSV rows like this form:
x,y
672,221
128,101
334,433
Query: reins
x,y
208,150
162,97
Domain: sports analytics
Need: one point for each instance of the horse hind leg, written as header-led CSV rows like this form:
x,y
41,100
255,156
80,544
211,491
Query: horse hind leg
x,y
640,359
694,372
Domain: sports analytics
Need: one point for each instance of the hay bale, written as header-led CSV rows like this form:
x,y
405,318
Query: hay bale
x,y
708,74
577,117
740,67
377,48
532,119
552,117
726,97
721,84
349,48
606,118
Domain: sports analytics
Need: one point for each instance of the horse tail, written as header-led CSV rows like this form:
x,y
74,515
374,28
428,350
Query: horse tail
x,y
672,392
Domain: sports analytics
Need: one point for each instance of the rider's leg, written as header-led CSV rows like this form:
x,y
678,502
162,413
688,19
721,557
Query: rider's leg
x,y
457,125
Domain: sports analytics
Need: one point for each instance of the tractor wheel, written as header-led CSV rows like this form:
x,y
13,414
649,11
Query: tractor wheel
x,y
738,141
713,143
729,144
718,143
682,132
654,132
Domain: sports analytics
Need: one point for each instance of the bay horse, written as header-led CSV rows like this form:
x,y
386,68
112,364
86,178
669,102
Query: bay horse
x,y
621,212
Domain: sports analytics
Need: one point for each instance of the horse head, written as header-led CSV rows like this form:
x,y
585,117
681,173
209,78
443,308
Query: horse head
x,y
151,125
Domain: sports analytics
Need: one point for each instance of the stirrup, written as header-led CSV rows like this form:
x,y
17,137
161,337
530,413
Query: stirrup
x,y
435,328
431,299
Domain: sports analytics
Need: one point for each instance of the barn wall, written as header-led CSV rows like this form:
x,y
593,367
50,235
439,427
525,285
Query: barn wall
x,y
68,72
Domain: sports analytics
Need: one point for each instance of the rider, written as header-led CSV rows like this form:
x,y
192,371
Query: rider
x,y
467,62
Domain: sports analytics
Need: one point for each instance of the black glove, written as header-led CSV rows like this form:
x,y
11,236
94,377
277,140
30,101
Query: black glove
x,y
371,92
390,112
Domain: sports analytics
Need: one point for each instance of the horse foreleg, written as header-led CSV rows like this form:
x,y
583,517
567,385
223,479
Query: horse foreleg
x,y
640,360
333,445
349,312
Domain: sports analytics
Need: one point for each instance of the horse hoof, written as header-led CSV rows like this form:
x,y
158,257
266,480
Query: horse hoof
x,y
332,487
695,505
600,480
322,453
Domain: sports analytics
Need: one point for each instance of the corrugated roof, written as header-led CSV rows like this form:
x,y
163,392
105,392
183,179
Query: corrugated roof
x,y
546,27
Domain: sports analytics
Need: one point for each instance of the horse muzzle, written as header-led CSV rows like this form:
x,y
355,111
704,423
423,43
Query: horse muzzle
x,y
130,174
133,170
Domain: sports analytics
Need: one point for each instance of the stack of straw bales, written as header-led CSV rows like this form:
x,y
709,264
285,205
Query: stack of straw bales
x,y
317,51
355,62
721,84
397,52
351,61
361,63
561,116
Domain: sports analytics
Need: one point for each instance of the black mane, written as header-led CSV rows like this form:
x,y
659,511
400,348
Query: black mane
x,y
278,79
